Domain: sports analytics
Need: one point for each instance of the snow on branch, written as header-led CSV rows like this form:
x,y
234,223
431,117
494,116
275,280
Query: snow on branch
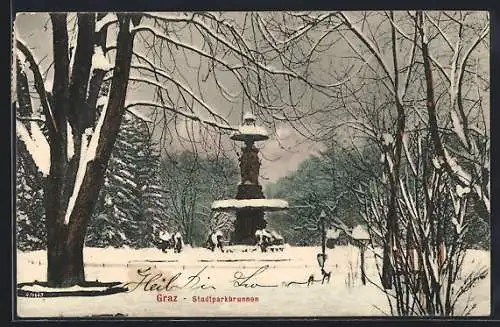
x,y
181,44
40,119
108,19
458,128
366,61
239,37
80,174
185,114
436,63
38,79
371,47
161,35
409,157
87,154
36,144
408,200
462,175
483,34
170,16
151,67
306,27
436,25
71,144
180,85
99,60
95,136
265,68
139,115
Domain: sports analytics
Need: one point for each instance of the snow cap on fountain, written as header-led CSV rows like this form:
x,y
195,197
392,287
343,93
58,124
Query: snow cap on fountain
x,y
264,204
249,131
249,117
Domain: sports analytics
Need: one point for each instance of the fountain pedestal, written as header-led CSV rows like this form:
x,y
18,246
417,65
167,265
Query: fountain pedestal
x,y
248,221
250,203
249,191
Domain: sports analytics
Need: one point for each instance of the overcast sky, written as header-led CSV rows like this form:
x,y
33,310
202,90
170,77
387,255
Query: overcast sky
x,y
281,154
285,149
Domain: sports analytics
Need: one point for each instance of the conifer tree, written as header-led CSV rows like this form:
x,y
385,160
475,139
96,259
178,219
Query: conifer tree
x,y
129,210
30,219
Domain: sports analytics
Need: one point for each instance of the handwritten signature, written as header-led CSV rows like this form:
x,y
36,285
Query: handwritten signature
x,y
240,280
158,282
155,281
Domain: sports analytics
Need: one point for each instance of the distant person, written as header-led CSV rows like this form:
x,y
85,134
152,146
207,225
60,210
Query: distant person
x,y
178,242
259,239
277,239
264,239
165,242
215,241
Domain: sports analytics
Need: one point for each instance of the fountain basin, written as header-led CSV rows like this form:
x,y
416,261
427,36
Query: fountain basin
x,y
246,133
263,204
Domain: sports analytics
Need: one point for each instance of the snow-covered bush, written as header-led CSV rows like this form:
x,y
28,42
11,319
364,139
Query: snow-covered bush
x,y
429,245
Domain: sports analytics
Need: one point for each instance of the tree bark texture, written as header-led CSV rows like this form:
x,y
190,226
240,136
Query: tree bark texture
x,y
71,106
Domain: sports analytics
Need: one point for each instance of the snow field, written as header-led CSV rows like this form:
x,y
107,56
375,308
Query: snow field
x,y
343,296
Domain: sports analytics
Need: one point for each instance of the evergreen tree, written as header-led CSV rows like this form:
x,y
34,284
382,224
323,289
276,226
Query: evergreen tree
x,y
30,217
30,214
130,208
152,217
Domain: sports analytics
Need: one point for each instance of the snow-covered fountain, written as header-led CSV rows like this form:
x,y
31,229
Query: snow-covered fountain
x,y
250,203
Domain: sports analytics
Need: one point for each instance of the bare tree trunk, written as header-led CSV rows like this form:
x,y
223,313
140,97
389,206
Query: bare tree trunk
x,y
66,240
59,272
65,263
392,216
362,264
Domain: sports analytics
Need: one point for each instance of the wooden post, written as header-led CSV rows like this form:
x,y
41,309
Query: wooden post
x,y
322,256
323,235
362,255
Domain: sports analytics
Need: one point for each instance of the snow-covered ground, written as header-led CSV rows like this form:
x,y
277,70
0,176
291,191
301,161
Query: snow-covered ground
x,y
228,276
